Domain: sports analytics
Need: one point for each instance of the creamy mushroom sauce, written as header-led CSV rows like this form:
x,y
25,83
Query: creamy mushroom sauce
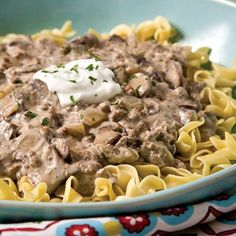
x,y
48,142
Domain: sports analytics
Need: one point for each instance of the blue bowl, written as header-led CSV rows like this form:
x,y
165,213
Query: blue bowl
x,y
203,22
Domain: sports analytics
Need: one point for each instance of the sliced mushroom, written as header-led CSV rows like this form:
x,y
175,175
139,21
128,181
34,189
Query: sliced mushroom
x,y
118,155
75,129
120,74
92,116
106,136
140,83
130,102
174,73
88,40
8,106
8,130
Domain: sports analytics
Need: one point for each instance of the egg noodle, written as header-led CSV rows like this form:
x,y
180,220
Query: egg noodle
x,y
201,158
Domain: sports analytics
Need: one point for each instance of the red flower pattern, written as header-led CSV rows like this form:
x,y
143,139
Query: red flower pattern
x,y
134,223
81,230
231,215
177,211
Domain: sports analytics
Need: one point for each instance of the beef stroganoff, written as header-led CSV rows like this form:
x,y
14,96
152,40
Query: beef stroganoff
x,y
106,117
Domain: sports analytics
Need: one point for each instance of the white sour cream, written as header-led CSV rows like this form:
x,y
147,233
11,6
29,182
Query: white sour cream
x,y
85,80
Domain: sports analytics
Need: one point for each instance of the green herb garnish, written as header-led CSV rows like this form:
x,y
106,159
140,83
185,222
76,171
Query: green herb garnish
x,y
176,36
74,103
233,93
81,117
92,79
74,68
233,130
95,95
30,114
104,81
153,83
90,67
96,67
45,121
46,71
207,65
72,80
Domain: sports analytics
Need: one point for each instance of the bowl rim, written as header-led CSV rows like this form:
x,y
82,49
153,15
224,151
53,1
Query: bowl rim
x,y
230,3
145,198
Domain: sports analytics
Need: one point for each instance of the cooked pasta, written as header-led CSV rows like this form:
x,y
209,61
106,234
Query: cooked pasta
x,y
200,156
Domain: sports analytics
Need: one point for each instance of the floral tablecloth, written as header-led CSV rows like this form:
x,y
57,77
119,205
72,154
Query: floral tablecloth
x,y
213,217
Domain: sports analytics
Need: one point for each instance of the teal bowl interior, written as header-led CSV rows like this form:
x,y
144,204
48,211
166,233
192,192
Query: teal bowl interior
x,y
203,23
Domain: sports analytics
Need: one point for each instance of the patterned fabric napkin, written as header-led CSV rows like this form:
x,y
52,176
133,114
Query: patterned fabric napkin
x,y
213,217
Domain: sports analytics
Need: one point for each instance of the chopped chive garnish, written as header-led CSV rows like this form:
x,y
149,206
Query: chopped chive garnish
x,y
153,83
96,67
74,68
233,93
30,114
46,71
74,103
72,80
81,117
95,95
92,79
105,81
90,67
45,121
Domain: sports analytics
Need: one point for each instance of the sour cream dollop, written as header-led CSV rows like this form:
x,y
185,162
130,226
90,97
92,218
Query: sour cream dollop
x,y
85,80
